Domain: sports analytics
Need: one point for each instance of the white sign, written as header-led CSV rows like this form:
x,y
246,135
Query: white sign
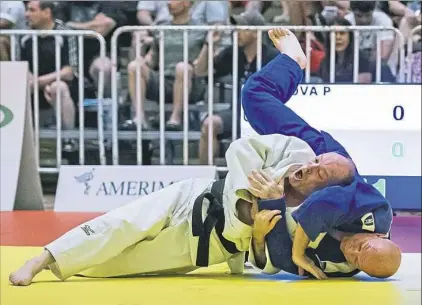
x,y
103,188
379,125
19,179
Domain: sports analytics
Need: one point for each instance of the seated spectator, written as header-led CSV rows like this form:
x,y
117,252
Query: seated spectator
x,y
103,17
344,59
40,17
152,12
12,16
410,21
332,10
399,10
223,63
247,6
364,14
157,12
173,70
413,65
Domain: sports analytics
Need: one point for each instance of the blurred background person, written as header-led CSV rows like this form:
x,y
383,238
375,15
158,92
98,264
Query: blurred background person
x,y
12,16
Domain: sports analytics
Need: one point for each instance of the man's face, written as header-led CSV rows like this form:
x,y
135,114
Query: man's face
x,y
326,169
246,37
35,16
177,7
372,253
363,18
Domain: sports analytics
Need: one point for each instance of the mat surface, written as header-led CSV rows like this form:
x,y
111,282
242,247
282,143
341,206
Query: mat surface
x,y
24,233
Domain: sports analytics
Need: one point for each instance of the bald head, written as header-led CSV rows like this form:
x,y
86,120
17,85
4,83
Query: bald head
x,y
375,255
381,258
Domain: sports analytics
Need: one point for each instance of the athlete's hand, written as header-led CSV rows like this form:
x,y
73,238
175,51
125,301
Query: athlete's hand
x,y
263,186
300,243
264,222
305,263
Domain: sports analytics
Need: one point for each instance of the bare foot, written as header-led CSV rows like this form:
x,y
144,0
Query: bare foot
x,y
24,275
286,42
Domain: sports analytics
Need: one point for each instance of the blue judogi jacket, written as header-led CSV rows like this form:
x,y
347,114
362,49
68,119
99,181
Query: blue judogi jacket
x,y
357,207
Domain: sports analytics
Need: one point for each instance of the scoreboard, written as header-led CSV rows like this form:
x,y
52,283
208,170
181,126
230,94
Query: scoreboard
x,y
380,127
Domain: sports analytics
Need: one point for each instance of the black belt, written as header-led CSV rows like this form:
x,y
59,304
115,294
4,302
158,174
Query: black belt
x,y
214,219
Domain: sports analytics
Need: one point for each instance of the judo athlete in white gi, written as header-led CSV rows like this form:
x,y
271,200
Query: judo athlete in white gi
x,y
190,224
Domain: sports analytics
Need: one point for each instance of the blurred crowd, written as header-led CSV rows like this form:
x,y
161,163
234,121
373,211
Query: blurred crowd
x,y
106,16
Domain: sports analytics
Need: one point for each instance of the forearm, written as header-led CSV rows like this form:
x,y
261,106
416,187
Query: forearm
x,y
397,8
144,17
300,242
201,63
386,49
258,247
103,27
66,74
285,7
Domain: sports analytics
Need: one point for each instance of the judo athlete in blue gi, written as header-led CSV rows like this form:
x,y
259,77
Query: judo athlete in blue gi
x,y
323,225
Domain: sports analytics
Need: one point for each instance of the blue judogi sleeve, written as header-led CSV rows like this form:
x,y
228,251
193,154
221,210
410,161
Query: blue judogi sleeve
x,y
263,99
278,239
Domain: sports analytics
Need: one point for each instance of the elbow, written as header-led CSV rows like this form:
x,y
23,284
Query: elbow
x,y
106,26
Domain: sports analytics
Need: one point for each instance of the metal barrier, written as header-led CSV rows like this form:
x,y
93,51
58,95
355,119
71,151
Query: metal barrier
x,y
140,134
64,133
410,50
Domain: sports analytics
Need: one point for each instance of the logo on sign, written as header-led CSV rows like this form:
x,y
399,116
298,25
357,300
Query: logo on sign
x,y
6,116
119,188
85,179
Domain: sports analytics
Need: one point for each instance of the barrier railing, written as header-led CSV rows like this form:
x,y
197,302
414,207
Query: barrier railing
x,y
162,135
60,134
140,134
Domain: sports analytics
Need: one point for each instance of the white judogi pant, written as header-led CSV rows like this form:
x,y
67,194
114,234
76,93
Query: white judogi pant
x,y
152,234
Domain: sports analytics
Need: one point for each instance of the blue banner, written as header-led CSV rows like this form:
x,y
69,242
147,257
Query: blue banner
x,y
403,192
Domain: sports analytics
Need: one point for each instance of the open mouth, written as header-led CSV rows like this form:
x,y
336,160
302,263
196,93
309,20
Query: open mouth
x,y
299,174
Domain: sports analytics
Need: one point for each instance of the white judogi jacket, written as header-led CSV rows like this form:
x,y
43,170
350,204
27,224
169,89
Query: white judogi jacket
x,y
275,154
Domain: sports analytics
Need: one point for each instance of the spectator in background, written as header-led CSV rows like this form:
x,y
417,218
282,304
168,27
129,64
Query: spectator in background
x,y
413,65
102,17
344,59
410,20
157,12
173,70
223,62
399,10
12,16
152,12
364,14
40,16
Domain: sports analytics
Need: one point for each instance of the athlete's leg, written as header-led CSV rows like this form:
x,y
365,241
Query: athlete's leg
x,y
266,92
